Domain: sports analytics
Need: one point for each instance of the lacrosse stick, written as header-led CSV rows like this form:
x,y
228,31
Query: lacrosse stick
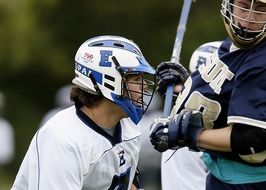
x,y
176,53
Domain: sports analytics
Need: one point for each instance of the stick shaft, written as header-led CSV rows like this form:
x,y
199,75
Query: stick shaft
x,y
176,53
181,31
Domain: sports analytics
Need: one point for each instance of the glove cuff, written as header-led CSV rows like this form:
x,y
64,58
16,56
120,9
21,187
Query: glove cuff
x,y
193,129
195,137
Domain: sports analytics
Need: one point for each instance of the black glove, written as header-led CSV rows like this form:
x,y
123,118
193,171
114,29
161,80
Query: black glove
x,y
173,133
169,73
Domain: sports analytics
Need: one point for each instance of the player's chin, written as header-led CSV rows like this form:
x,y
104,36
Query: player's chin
x,y
138,102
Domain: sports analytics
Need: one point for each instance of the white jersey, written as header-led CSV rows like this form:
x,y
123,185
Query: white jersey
x,y
7,142
70,152
183,171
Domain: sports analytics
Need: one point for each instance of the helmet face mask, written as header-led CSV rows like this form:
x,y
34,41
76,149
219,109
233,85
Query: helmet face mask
x,y
245,21
134,87
102,65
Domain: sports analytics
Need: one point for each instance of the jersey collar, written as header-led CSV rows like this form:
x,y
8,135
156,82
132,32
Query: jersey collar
x,y
91,124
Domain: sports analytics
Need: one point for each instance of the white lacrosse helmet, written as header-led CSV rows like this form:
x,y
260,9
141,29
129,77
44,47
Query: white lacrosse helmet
x,y
244,37
101,65
202,53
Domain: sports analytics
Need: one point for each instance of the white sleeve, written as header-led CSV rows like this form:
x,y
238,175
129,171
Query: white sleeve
x,y
61,164
52,162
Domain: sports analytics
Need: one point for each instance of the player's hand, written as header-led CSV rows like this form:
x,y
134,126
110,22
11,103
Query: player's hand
x,y
159,135
169,73
173,133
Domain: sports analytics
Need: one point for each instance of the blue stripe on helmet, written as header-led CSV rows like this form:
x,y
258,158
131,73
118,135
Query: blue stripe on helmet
x,y
86,71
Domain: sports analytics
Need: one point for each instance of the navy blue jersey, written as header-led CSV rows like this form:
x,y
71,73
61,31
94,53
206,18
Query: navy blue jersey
x,y
230,88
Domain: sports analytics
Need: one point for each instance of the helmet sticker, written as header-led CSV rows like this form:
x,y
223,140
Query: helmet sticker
x,y
105,54
88,57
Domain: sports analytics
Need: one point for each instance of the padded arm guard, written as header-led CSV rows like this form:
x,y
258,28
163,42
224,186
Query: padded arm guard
x,y
249,143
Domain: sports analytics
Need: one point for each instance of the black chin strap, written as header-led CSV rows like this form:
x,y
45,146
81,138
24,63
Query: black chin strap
x,y
95,85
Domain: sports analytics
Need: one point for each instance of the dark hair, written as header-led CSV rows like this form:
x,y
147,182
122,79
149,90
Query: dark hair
x,y
81,97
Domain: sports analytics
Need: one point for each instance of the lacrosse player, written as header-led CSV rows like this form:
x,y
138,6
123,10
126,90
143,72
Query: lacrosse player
x,y
62,101
177,165
7,138
221,110
95,144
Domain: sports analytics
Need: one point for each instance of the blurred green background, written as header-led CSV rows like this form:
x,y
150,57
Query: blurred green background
x,y
38,41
